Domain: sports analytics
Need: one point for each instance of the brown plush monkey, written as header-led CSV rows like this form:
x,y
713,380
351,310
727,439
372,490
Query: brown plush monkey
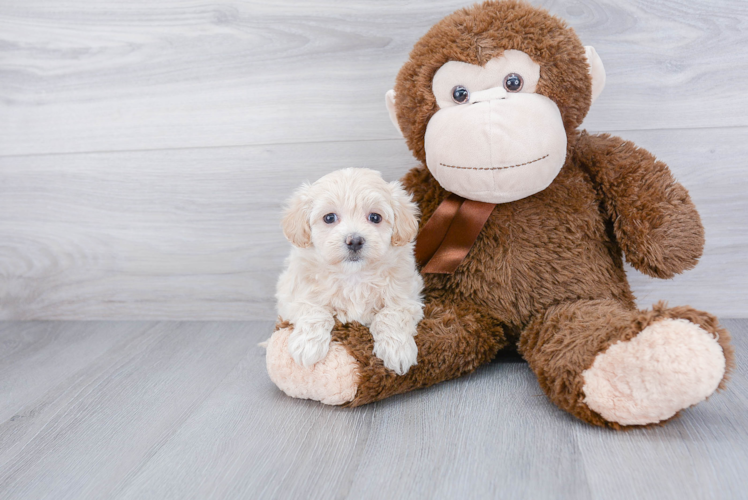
x,y
490,101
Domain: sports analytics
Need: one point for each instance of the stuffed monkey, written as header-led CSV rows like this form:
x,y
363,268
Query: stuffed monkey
x,y
525,224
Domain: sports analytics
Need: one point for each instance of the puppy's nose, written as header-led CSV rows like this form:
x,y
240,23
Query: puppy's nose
x,y
354,242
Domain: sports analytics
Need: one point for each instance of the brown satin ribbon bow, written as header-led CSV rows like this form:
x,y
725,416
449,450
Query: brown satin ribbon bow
x,y
450,233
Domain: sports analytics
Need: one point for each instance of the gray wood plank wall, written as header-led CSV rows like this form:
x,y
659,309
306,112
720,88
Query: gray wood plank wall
x,y
146,148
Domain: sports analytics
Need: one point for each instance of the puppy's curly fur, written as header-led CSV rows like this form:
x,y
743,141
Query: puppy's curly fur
x,y
352,259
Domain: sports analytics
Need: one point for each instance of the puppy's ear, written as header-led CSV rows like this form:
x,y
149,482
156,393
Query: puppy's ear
x,y
296,227
405,227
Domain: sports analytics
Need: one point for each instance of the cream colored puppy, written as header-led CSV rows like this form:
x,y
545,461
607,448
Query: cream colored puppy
x,y
352,258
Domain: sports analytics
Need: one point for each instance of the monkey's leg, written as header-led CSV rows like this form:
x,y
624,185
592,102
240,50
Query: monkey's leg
x,y
613,366
451,342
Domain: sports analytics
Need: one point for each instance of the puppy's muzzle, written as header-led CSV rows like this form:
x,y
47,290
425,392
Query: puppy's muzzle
x,y
354,242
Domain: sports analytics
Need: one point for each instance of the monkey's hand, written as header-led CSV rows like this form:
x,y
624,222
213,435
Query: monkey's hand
x,y
654,219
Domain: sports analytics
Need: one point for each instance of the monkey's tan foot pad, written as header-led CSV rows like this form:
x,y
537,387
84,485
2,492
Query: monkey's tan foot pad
x,y
670,365
332,381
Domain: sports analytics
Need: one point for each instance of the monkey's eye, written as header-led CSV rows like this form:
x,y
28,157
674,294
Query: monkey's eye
x,y
460,94
330,218
375,218
513,82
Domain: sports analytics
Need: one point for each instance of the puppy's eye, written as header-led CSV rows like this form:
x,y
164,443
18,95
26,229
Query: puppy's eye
x,y
513,82
375,218
460,94
330,218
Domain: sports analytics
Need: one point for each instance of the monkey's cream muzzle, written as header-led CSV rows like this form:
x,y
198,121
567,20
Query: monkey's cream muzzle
x,y
499,148
487,95
500,145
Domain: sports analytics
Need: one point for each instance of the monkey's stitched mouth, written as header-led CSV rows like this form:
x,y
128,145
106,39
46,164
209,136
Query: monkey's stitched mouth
x,y
495,168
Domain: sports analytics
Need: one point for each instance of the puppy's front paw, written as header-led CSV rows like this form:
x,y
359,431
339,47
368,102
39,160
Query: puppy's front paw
x,y
398,351
310,341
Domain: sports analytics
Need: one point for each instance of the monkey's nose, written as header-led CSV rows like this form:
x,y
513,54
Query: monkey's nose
x,y
488,95
354,242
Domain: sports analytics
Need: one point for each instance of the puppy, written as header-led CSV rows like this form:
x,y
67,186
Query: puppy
x,y
352,259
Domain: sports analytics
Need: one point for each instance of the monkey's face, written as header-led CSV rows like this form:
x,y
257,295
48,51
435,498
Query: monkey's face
x,y
494,139
489,96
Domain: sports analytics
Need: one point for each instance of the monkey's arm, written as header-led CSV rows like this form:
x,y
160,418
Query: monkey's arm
x,y
453,340
654,220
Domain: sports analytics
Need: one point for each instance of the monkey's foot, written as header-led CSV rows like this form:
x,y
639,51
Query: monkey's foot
x,y
332,381
670,365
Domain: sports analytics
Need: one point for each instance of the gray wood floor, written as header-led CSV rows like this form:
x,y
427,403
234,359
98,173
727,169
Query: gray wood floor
x,y
146,148
185,410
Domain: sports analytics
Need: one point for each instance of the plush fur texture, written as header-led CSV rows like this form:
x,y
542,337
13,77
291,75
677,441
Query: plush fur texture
x,y
546,273
374,282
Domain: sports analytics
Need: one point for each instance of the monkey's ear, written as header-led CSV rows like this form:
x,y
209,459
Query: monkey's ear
x,y
597,71
389,100
405,226
296,227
